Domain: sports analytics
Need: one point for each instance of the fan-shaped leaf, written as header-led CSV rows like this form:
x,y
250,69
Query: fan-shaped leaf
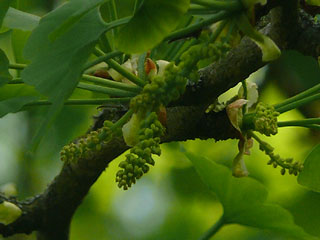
x,y
84,7
56,66
4,6
152,22
310,175
16,19
13,105
243,200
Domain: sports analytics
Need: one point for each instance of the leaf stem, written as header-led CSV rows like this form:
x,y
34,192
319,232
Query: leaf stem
x,y
117,23
299,96
312,126
198,26
114,10
200,10
81,101
18,66
304,122
297,103
220,5
111,83
218,31
245,95
214,229
110,91
102,59
122,120
116,66
106,82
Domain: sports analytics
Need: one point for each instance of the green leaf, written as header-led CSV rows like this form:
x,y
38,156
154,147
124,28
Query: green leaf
x,y
234,193
310,175
152,22
16,19
13,105
56,66
306,69
4,69
270,217
4,6
84,7
243,200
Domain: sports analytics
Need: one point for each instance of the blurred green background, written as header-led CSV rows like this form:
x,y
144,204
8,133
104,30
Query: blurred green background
x,y
170,202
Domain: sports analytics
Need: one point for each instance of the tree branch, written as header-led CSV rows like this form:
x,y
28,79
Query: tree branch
x,y
50,213
301,34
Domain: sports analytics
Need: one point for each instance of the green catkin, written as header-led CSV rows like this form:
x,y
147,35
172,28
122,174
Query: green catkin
x,y
171,85
285,164
160,91
92,142
140,157
265,120
199,56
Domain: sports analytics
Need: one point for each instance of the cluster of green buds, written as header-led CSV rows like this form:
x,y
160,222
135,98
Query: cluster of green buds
x,y
275,160
160,91
199,56
85,146
265,120
140,156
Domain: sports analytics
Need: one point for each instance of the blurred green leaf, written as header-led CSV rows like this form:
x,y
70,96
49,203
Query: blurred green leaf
x,y
310,175
271,217
243,200
313,2
16,19
17,90
306,68
4,6
13,105
4,69
152,22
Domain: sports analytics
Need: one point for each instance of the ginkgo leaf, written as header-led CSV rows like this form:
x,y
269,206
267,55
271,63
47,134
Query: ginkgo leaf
x,y
56,66
243,200
49,70
13,105
16,19
310,175
149,26
84,7
4,6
